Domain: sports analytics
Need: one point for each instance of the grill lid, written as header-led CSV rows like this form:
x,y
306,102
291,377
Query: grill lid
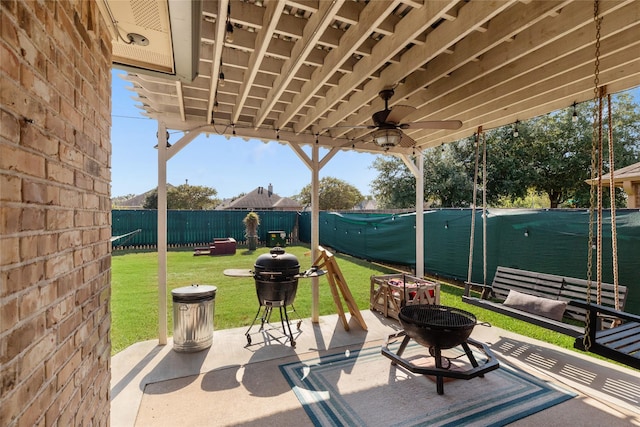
x,y
277,260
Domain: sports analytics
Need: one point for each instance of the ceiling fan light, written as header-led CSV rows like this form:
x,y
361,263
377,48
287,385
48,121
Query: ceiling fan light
x,y
387,137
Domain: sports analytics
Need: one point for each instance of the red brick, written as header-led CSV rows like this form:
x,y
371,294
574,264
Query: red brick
x,y
69,325
70,198
59,219
60,310
28,247
10,253
84,219
21,337
59,265
32,218
33,138
11,406
68,370
83,181
38,87
59,173
22,161
10,188
9,127
18,278
34,192
68,413
47,244
69,239
54,124
8,315
9,63
10,220
29,302
35,357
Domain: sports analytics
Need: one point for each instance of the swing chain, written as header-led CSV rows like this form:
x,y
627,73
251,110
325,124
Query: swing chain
x,y
594,149
612,196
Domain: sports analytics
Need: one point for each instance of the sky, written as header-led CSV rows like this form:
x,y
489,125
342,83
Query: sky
x,y
230,166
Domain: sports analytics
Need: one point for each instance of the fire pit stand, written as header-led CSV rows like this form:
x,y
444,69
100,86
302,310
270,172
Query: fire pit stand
x,y
439,328
442,369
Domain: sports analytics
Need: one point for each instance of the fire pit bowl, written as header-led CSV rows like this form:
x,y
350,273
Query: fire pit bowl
x,y
437,326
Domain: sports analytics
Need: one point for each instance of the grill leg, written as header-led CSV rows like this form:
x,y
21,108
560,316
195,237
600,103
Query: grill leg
x,y
285,320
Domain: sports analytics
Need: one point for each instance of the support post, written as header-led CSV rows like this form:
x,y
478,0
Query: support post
x,y
315,229
420,215
162,234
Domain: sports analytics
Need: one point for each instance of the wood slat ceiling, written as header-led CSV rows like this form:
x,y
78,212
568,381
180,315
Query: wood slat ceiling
x,y
296,68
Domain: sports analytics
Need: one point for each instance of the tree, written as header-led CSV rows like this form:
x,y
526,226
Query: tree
x,y
185,196
561,150
551,156
395,185
334,194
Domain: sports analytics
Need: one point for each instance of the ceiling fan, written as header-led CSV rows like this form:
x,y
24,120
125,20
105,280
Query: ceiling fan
x,y
388,129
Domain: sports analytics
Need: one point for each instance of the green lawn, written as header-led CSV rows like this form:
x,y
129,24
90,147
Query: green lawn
x,y
134,302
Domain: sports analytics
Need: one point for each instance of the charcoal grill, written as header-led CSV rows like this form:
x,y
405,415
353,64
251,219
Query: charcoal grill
x,y
276,277
438,328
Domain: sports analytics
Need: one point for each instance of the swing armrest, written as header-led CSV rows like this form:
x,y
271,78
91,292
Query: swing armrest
x,y
609,311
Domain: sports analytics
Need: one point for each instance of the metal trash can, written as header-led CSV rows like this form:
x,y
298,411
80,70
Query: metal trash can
x,y
193,309
276,238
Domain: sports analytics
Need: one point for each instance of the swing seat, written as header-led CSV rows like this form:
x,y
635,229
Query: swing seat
x,y
620,343
542,295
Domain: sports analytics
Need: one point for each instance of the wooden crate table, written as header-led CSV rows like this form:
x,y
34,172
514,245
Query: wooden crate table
x,y
387,292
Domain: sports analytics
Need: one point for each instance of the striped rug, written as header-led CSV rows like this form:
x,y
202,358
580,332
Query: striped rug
x,y
362,388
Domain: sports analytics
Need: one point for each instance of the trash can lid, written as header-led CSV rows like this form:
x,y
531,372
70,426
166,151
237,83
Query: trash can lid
x,y
194,292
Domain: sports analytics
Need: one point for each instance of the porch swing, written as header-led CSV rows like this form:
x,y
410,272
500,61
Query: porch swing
x,y
608,331
542,299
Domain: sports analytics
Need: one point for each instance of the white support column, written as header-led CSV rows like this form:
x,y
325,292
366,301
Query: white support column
x,y
416,166
420,215
315,229
162,234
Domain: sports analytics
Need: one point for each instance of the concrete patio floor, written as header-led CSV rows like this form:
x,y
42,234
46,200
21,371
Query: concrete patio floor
x,y
608,394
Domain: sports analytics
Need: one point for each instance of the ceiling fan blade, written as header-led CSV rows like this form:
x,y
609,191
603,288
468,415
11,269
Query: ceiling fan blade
x,y
433,124
398,113
407,141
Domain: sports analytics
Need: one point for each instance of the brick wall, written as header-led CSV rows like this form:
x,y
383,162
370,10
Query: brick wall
x,y
55,88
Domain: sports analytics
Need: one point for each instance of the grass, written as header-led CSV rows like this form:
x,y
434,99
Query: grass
x,y
134,302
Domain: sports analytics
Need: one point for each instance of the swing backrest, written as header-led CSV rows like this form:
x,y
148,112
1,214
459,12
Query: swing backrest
x,y
554,287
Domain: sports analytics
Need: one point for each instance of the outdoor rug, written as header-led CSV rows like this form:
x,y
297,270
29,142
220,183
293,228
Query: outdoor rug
x,y
362,388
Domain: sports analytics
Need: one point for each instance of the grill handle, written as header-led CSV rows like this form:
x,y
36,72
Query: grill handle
x,y
270,273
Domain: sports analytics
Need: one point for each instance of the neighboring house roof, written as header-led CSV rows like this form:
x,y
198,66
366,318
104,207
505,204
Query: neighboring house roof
x,y
627,173
366,205
137,201
263,199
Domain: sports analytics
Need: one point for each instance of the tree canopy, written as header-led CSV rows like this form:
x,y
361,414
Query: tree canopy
x,y
334,194
550,156
185,196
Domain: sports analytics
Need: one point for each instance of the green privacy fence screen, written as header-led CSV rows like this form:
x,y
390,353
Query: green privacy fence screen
x,y
549,241
188,228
